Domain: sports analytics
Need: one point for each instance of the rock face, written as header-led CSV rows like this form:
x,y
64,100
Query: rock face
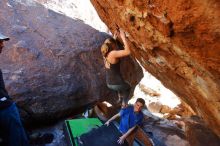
x,y
52,65
177,42
198,134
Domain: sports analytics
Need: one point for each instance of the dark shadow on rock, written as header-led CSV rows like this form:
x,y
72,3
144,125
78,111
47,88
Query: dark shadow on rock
x,y
52,65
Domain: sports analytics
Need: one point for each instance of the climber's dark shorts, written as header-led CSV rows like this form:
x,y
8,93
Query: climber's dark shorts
x,y
122,89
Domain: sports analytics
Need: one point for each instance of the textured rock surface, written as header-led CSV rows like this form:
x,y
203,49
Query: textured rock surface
x,y
52,65
198,134
176,41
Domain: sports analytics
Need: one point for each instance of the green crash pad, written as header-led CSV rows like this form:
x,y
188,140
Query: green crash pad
x,y
77,127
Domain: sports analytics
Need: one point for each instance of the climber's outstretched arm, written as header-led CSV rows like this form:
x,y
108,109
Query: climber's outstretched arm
x,y
121,53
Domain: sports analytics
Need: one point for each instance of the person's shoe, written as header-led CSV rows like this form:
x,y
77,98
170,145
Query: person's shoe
x,y
39,138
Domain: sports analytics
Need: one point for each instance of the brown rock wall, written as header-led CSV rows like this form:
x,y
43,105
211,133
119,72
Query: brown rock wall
x,y
177,42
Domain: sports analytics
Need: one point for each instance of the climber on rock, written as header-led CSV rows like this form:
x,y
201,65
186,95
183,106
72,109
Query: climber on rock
x,y
113,52
131,117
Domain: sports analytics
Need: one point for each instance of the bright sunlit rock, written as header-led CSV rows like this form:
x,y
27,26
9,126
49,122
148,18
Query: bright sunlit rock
x,y
166,97
77,9
108,104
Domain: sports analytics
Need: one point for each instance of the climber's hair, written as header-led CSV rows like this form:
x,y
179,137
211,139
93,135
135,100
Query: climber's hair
x,y
108,46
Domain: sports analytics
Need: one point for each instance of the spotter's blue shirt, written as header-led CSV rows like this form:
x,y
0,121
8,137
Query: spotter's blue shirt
x,y
129,118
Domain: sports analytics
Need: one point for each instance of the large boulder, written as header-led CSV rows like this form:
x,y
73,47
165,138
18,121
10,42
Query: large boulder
x,y
176,41
52,65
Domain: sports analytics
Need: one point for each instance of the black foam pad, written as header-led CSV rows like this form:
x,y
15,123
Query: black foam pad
x,y
102,136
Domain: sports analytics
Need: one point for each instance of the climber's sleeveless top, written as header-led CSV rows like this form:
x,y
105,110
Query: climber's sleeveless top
x,y
113,75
